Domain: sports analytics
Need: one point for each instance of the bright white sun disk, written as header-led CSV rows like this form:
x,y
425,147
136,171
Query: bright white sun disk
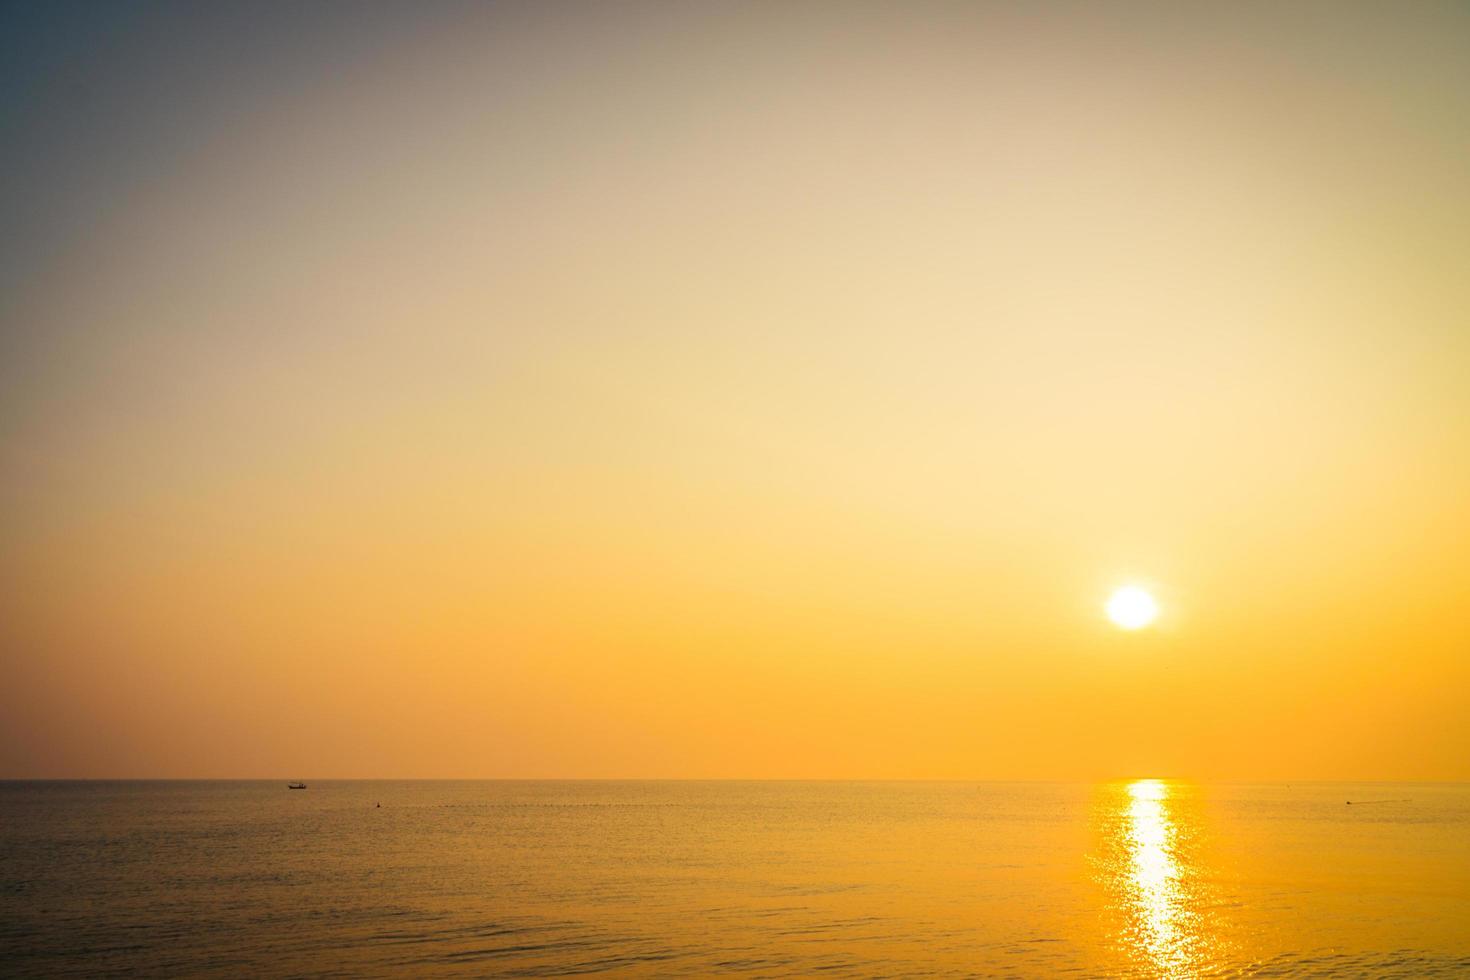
x,y
1132,608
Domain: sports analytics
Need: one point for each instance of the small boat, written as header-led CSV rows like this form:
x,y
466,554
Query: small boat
x,y
296,786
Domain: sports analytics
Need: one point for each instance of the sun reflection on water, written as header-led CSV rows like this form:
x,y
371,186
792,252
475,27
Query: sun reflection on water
x,y
1154,870
1149,868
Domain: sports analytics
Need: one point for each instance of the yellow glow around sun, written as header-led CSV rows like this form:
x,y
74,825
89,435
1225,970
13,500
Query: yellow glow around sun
x,y
1132,608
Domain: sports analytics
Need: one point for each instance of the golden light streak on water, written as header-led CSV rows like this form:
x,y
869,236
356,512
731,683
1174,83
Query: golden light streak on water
x,y
1154,875
1163,914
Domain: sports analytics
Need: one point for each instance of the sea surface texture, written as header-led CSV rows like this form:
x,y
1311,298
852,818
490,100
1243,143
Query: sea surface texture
x,y
1133,879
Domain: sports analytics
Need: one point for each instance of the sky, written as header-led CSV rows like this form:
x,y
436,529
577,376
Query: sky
x,y
753,390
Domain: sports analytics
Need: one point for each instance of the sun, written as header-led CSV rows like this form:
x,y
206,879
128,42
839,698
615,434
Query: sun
x,y
1132,608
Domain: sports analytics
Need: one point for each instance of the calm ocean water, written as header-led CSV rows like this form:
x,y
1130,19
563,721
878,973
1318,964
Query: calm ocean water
x,y
688,878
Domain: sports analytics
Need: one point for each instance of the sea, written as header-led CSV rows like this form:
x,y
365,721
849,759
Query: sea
x,y
1135,878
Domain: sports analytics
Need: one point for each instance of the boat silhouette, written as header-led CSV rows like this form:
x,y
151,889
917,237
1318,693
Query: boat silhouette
x,y
296,786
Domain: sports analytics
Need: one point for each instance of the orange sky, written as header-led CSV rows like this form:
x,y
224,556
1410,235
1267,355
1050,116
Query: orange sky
x,y
736,390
